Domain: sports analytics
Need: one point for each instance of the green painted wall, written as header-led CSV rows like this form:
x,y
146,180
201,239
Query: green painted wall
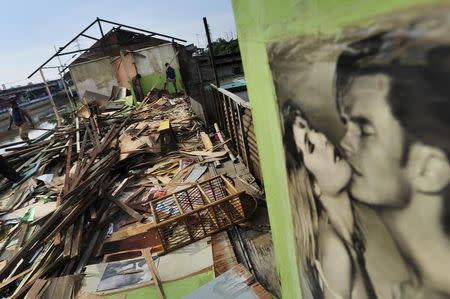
x,y
172,290
258,23
157,80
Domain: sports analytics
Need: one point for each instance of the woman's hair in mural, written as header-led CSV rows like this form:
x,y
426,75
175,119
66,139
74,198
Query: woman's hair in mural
x,y
294,157
419,94
308,210
304,205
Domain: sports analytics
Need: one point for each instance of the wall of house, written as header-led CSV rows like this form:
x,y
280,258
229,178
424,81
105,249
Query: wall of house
x,y
102,74
96,75
150,65
314,32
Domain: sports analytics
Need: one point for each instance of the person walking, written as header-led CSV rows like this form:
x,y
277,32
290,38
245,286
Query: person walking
x,y
20,117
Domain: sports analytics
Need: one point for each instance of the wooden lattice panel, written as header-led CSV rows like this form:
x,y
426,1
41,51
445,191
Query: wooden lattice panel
x,y
196,212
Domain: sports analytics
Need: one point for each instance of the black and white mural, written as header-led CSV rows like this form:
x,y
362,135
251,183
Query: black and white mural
x,y
366,132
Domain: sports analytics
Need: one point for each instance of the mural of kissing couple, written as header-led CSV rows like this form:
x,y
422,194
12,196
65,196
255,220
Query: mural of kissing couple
x,y
366,128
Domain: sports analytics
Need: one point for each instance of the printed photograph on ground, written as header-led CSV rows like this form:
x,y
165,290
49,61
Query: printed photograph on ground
x,y
366,125
123,274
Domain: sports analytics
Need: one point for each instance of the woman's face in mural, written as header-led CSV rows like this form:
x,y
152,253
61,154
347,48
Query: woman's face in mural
x,y
320,157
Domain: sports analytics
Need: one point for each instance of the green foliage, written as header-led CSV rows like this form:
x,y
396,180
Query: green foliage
x,y
223,47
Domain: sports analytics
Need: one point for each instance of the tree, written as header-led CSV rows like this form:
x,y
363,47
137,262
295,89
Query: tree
x,y
224,47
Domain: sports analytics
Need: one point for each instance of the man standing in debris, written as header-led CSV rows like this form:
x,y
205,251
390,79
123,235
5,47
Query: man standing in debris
x,y
170,77
137,87
20,117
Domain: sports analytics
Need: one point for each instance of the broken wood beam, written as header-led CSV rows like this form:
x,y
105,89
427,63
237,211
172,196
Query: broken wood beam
x,y
126,209
151,265
225,146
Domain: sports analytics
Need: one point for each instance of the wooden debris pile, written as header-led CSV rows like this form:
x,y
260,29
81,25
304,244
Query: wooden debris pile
x,y
93,190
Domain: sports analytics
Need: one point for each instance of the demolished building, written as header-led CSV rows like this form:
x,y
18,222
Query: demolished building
x,y
134,200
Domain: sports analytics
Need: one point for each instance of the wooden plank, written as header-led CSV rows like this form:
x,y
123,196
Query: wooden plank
x,y
178,204
62,287
141,131
127,209
130,231
9,238
228,185
80,156
36,290
76,244
148,239
14,278
95,130
227,128
68,241
148,258
138,207
224,257
66,187
244,142
155,215
22,235
89,132
234,106
122,185
206,141
225,146
135,194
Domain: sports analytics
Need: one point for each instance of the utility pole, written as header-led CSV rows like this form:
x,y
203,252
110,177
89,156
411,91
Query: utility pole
x,y
211,54
55,110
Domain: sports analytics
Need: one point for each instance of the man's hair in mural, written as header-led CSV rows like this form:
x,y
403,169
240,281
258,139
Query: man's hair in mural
x,y
419,94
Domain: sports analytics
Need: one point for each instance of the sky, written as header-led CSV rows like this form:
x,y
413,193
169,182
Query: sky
x,y
30,29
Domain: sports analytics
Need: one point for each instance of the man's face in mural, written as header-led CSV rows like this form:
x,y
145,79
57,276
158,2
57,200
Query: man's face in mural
x,y
374,143
320,157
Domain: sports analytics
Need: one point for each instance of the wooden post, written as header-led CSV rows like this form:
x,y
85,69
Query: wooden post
x,y
244,138
66,88
58,118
